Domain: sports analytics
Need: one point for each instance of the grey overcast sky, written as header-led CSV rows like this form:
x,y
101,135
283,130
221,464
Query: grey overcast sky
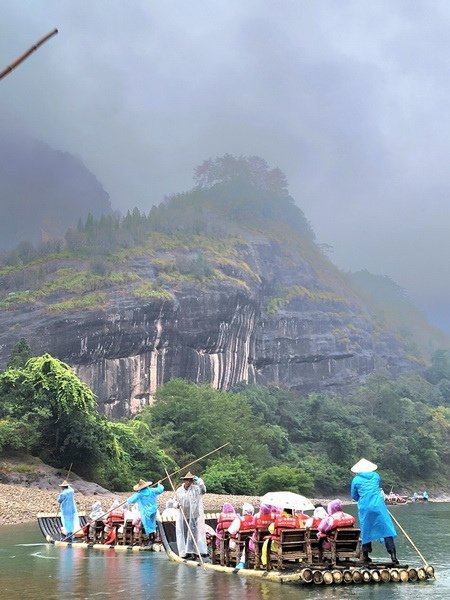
x,y
351,99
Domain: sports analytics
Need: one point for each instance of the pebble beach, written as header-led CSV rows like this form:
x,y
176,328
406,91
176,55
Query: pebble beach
x,y
25,492
20,504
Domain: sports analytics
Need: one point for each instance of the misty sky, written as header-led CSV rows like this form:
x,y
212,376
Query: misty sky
x,y
351,99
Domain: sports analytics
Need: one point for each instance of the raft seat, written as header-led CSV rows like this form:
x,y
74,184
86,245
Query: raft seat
x,y
128,533
241,542
345,544
291,547
313,546
229,550
98,532
254,558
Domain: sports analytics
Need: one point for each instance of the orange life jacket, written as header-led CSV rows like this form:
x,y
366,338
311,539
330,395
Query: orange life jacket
x,y
301,519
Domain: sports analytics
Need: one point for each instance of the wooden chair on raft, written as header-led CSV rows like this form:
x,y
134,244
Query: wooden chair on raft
x,y
253,559
241,542
291,547
220,550
313,546
94,533
228,551
128,533
345,545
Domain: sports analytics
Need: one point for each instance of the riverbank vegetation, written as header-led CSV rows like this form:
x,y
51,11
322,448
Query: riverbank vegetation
x,y
277,438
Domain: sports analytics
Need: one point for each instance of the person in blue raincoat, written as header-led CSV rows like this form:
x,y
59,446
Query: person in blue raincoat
x,y
69,513
146,500
374,518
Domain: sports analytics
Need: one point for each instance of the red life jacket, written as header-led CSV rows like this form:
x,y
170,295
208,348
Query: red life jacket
x,y
262,521
116,515
342,519
282,522
316,522
224,521
246,522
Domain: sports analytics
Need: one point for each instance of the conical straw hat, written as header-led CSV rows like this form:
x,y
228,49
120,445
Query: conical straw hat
x,y
141,485
64,484
364,466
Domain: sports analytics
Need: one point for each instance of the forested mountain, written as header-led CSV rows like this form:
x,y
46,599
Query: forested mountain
x,y
213,318
223,284
43,191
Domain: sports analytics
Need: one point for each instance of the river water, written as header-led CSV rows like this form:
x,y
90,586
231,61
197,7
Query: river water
x,y
32,569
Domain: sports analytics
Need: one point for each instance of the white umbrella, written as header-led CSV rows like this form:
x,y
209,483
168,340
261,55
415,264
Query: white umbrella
x,y
287,500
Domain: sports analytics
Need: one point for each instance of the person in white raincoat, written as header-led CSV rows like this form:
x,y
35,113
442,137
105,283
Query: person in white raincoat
x,y
190,501
69,513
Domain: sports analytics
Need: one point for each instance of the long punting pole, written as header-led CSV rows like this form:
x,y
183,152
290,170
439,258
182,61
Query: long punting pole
x,y
161,480
26,54
425,562
169,475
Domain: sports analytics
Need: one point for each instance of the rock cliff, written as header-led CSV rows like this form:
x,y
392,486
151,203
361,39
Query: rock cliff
x,y
263,311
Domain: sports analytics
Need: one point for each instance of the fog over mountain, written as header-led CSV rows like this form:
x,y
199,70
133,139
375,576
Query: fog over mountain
x,y
43,191
349,99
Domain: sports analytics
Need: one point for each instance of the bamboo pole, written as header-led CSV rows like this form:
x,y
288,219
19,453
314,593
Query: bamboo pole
x,y
194,461
425,562
26,54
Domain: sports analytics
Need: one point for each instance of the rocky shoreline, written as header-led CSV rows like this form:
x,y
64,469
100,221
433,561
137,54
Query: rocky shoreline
x,y
28,487
21,504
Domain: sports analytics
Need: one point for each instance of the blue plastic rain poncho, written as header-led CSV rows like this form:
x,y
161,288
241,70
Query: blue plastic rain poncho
x,y
69,513
146,501
374,518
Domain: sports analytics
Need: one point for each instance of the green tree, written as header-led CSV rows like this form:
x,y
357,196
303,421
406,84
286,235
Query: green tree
x,y
285,478
196,419
228,475
20,354
440,366
47,395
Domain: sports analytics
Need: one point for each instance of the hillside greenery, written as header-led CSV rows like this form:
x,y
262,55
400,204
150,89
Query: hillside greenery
x,y
392,309
276,438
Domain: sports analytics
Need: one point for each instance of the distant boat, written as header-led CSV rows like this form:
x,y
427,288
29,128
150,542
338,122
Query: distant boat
x,y
423,497
392,498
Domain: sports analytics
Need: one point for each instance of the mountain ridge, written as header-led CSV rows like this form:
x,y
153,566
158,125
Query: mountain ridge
x,y
245,296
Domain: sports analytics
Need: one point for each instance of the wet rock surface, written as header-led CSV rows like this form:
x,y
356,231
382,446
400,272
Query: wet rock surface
x,y
276,321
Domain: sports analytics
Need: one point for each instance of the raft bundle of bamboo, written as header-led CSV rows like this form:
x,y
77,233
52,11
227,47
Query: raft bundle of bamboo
x,y
364,575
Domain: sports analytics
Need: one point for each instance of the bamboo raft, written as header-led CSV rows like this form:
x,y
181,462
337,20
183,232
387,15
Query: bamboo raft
x,y
297,560
50,525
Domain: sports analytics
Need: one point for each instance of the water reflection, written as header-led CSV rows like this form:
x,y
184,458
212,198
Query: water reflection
x,y
35,572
